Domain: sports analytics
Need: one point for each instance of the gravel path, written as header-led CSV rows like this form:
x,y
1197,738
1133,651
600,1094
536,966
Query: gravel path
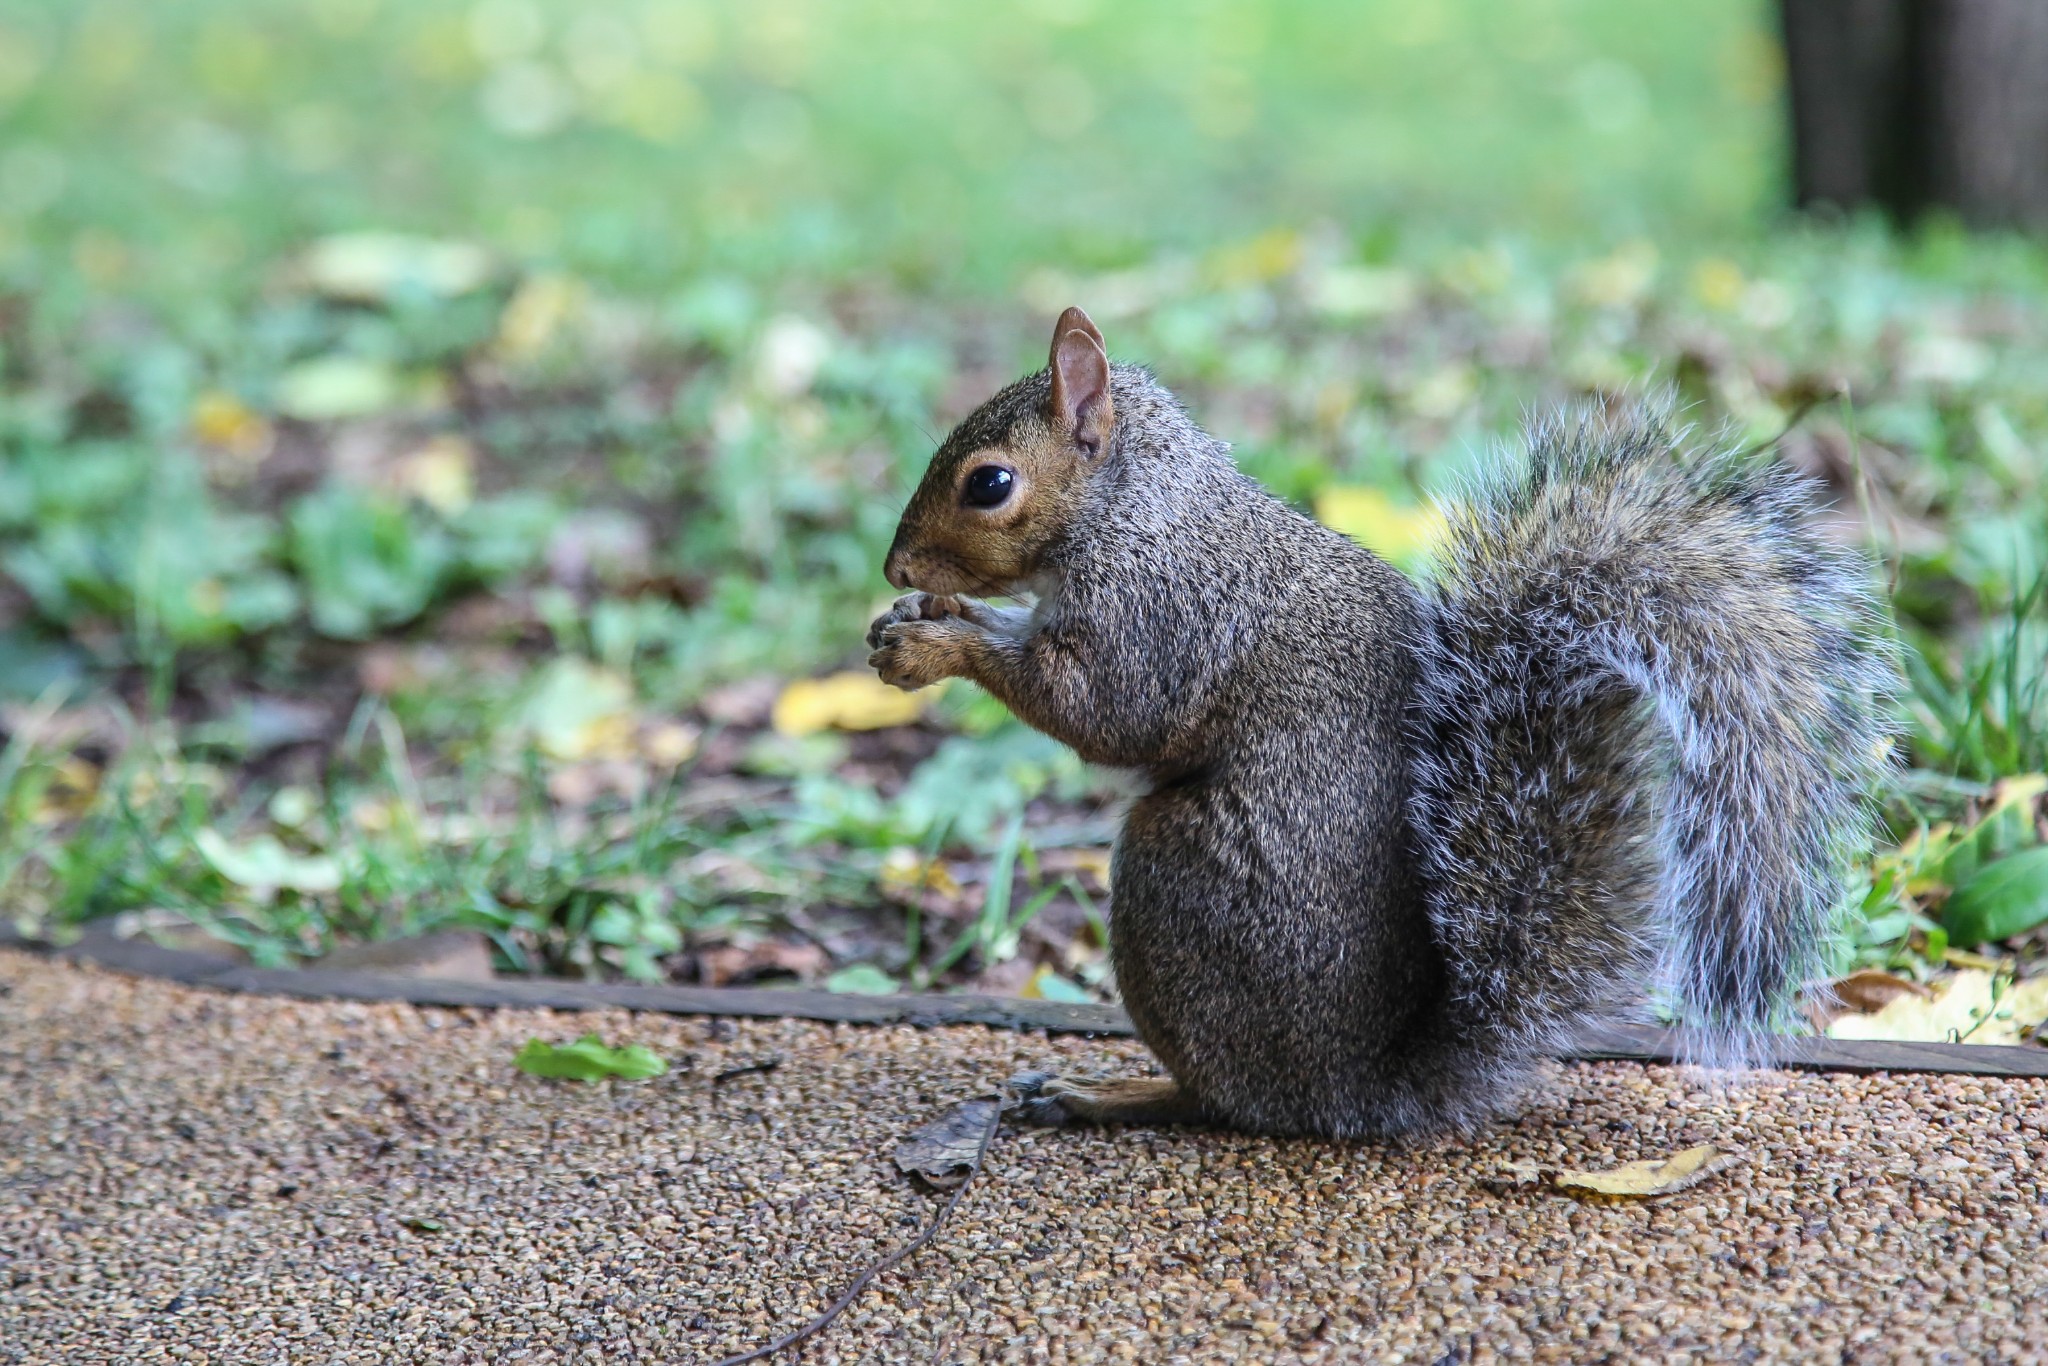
x,y
199,1177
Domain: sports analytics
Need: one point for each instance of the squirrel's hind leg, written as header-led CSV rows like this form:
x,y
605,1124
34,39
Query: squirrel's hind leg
x,y
1046,1099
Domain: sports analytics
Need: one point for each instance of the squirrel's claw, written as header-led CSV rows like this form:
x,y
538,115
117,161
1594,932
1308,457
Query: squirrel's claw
x,y
911,607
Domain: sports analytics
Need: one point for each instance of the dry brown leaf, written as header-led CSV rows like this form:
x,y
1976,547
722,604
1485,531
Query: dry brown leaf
x,y
1649,1179
943,1152
844,701
732,962
1872,989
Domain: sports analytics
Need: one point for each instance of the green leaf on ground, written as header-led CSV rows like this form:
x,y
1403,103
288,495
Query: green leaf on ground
x,y
329,388
263,863
589,1059
861,979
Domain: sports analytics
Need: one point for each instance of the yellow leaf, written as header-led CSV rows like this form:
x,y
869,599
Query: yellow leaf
x,y
1618,279
844,701
1047,985
1398,533
1717,282
1648,1178
224,422
441,474
904,874
72,784
535,314
581,711
1974,1006
669,743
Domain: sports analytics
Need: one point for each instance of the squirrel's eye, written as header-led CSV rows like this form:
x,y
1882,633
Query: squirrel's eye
x,y
987,486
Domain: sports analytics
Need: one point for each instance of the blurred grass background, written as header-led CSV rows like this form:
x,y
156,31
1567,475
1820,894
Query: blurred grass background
x,y
917,143
435,436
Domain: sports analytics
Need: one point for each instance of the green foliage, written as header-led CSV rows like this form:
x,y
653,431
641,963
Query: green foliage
x,y
589,1059
2006,898
366,563
108,532
1985,715
552,450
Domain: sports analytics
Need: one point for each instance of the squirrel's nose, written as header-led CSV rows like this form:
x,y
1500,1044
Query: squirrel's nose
x,y
893,570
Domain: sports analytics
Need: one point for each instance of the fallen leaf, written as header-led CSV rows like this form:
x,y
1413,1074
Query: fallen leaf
x,y
942,1153
264,865
861,979
844,701
580,710
71,786
1089,863
1360,291
1871,990
441,474
222,421
1047,985
331,387
535,313
1650,1178
589,1059
373,267
1619,279
729,963
669,743
1974,1006
905,875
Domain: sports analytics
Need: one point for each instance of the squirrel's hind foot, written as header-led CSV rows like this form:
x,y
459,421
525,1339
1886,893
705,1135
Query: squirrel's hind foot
x,y
1045,1099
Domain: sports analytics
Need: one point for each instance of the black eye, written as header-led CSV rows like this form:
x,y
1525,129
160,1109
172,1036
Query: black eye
x,y
987,486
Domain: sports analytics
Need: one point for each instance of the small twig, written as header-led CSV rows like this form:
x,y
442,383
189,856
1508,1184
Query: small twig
x,y
747,1069
931,1230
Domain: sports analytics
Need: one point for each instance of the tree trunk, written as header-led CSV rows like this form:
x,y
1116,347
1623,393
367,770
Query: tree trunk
x,y
1918,104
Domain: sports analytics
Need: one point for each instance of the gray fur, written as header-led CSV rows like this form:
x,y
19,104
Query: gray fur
x,y
1395,845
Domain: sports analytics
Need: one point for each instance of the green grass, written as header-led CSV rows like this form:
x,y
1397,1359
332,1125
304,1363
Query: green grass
x,y
354,585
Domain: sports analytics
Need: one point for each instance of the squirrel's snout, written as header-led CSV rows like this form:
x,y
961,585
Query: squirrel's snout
x,y
893,570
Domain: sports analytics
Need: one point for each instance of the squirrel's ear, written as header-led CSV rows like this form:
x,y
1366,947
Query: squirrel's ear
x,y
1080,382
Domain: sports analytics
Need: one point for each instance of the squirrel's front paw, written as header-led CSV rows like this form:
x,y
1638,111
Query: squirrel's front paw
x,y
917,654
912,607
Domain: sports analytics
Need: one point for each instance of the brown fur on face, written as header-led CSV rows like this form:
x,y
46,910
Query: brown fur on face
x,y
1049,431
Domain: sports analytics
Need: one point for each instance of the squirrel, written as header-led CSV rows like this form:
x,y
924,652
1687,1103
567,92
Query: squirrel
x,y
1399,843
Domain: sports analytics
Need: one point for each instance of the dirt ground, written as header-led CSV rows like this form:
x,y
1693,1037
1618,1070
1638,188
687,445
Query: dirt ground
x,y
198,1177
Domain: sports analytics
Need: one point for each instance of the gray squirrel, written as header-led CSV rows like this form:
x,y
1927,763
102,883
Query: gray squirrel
x,y
1398,843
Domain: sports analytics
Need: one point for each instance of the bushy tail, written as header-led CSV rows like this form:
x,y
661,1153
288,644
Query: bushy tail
x,y
1653,706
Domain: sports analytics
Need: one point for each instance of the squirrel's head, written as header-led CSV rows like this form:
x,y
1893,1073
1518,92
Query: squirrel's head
x,y
1007,484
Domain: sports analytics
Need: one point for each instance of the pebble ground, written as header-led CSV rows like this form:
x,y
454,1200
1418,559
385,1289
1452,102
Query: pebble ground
x,y
203,1178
